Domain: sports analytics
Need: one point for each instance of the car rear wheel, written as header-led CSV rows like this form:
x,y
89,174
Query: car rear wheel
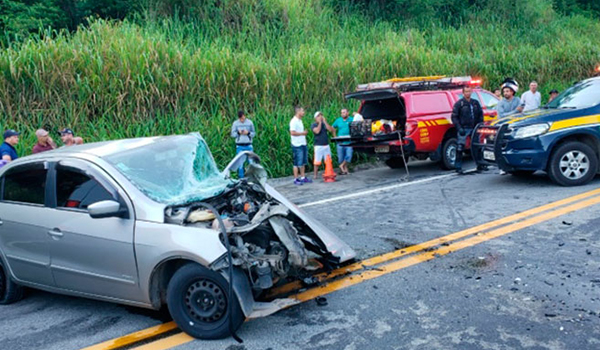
x,y
10,292
396,162
449,149
198,302
573,163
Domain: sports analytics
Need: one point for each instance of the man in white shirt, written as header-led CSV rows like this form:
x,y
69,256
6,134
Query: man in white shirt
x,y
531,99
299,149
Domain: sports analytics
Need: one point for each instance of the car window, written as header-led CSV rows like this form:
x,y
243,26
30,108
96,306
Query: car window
x,y
430,103
74,189
489,100
26,184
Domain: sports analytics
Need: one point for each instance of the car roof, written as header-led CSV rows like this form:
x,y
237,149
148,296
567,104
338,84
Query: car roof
x,y
101,149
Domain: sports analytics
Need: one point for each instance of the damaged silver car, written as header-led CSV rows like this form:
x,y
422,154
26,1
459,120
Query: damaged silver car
x,y
153,222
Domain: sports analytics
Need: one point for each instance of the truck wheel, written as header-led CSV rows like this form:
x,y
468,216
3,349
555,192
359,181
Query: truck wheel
x,y
10,292
198,302
573,163
449,149
396,162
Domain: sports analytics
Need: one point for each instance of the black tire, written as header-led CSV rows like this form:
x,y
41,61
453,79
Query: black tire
x,y
10,292
572,164
521,173
449,149
206,318
396,162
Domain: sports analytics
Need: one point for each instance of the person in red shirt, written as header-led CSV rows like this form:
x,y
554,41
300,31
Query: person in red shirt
x,y
44,143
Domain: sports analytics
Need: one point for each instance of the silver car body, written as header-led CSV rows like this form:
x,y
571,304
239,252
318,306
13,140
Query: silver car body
x,y
65,250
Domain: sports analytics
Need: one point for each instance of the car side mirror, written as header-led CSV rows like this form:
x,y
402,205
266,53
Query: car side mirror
x,y
106,209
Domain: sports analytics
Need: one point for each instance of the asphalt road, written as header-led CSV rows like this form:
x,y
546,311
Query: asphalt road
x,y
529,284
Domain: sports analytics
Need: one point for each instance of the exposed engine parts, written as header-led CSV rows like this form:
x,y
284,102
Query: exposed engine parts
x,y
266,239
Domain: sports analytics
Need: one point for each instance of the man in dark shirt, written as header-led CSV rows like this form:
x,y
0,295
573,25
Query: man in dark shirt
x,y
466,114
8,153
320,128
44,143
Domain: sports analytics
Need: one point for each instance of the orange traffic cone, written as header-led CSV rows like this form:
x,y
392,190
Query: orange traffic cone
x,y
329,174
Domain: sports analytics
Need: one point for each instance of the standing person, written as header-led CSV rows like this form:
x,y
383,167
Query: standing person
x,y
8,153
342,126
509,104
44,142
466,114
67,137
320,128
553,94
299,150
531,99
243,132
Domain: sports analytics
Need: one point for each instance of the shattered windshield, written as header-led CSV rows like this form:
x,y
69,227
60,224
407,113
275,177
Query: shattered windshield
x,y
172,170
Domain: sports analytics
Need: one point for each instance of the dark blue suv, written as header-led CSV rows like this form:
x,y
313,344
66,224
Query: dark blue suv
x,y
561,138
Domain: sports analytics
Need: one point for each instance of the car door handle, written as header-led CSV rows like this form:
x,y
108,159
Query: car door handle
x,y
55,233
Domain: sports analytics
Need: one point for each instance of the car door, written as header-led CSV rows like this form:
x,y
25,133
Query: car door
x,y
24,240
93,256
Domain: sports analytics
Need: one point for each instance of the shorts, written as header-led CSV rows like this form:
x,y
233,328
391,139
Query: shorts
x,y
300,155
321,152
344,154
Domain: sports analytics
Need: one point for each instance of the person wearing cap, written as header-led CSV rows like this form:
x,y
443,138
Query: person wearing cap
x,y
243,132
553,94
67,137
510,104
8,153
44,143
531,99
342,129
321,141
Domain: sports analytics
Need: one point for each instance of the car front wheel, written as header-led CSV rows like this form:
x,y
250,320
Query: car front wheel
x,y
198,302
573,163
10,292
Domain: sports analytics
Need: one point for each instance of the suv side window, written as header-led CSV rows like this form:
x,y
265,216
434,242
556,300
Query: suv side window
x,y
489,100
76,190
26,184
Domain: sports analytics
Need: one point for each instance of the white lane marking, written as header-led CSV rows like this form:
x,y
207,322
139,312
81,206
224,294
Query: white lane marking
x,y
381,189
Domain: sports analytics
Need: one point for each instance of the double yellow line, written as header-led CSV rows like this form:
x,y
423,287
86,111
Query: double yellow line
x,y
381,265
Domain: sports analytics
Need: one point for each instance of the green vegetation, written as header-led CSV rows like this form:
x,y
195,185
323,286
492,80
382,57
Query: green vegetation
x,y
183,67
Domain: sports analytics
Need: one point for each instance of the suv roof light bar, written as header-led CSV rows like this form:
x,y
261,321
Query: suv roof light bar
x,y
438,82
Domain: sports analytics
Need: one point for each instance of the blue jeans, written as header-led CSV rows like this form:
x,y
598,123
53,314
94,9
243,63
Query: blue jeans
x,y
344,153
300,155
239,149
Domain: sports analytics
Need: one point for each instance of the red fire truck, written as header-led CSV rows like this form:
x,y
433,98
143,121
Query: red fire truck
x,y
410,117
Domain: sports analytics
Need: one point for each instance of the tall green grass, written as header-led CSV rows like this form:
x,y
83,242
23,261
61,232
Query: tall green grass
x,y
153,76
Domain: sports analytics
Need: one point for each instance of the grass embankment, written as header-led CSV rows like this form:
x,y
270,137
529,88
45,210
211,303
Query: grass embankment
x,y
154,77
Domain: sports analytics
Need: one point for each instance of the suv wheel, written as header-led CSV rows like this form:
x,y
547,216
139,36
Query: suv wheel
x,y
573,163
198,302
449,149
396,162
10,292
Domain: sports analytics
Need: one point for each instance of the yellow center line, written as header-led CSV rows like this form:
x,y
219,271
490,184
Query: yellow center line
x,y
348,281
134,337
426,256
429,244
287,288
